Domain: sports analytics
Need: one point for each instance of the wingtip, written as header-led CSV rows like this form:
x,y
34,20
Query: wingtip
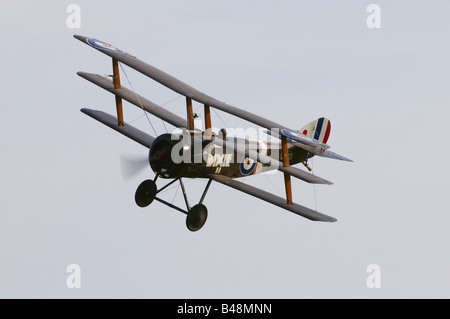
x,y
321,181
324,218
346,159
80,37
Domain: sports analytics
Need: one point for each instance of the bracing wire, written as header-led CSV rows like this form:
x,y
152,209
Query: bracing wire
x,y
176,98
314,187
172,187
219,117
141,116
175,195
137,97
272,183
164,124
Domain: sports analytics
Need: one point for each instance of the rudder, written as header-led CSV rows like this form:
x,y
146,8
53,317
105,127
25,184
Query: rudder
x,y
319,129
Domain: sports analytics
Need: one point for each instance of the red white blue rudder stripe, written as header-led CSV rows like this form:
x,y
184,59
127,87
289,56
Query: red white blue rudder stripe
x,y
319,130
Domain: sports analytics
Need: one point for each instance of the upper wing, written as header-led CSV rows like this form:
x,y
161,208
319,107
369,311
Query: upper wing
x,y
275,200
175,84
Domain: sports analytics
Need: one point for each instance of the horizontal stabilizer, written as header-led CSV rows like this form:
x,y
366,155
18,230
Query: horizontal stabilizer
x,y
330,154
299,137
127,130
309,144
273,199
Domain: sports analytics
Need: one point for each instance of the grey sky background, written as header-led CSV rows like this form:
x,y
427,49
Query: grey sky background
x,y
386,92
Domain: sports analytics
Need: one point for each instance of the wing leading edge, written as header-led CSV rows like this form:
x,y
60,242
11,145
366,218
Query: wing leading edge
x,y
127,130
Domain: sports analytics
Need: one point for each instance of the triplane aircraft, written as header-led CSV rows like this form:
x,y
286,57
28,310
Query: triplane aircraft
x,y
204,154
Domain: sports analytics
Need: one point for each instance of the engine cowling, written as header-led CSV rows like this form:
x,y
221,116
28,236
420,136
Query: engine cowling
x,y
160,158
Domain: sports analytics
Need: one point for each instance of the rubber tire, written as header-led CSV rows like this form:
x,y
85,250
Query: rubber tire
x,y
196,217
145,193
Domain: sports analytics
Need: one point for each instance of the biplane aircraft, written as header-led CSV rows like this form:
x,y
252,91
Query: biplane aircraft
x,y
197,153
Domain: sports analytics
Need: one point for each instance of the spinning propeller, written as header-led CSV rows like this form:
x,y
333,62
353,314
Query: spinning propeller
x,y
131,166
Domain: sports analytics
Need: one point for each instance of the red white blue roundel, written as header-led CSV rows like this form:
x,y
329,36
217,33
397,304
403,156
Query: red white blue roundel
x,y
102,45
247,166
292,134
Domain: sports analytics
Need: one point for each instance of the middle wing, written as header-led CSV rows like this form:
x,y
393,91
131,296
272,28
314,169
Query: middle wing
x,y
127,130
135,99
175,84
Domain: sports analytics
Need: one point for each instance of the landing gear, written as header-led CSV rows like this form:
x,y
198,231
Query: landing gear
x,y
145,193
305,163
196,217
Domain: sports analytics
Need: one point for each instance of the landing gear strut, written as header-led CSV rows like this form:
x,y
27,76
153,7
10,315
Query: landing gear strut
x,y
196,215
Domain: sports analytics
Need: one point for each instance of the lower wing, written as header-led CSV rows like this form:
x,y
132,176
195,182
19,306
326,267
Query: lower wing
x,y
273,199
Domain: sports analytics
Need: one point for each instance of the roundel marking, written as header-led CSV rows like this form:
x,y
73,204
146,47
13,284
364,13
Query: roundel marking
x,y
247,166
292,134
102,45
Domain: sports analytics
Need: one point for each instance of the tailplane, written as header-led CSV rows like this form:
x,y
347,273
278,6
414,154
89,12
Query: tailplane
x,y
313,137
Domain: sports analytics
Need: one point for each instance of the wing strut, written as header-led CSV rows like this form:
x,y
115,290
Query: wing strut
x,y
287,177
208,120
117,86
190,113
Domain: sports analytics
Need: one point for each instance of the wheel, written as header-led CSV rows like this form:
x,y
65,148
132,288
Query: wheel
x,y
196,217
145,193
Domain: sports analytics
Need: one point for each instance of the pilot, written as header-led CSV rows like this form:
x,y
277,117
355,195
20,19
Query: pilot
x,y
223,134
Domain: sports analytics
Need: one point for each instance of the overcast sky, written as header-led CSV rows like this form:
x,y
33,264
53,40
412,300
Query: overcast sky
x,y
386,91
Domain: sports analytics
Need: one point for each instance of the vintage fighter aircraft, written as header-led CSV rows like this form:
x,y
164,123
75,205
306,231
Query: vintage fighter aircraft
x,y
203,154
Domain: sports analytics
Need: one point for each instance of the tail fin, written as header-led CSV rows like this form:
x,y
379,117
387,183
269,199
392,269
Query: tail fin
x,y
319,130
